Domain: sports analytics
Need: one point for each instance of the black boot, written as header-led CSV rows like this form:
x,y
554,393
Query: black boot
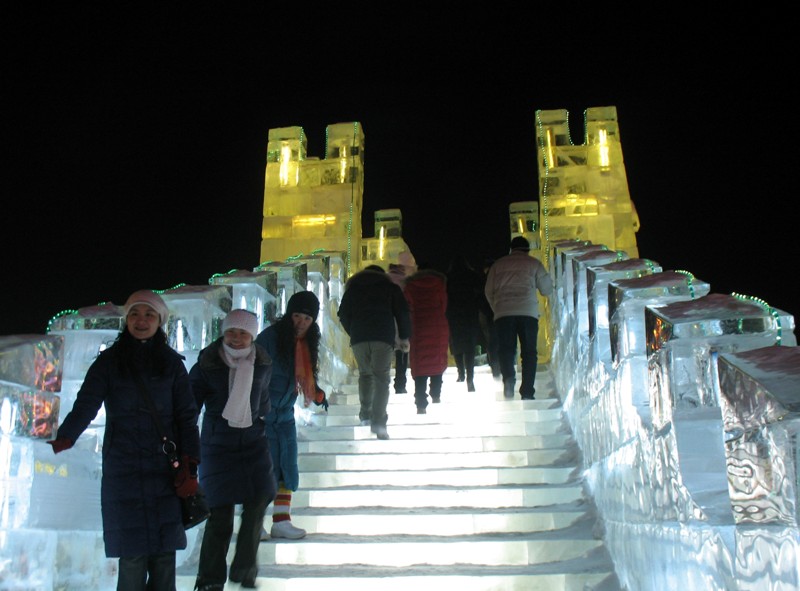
x,y
508,388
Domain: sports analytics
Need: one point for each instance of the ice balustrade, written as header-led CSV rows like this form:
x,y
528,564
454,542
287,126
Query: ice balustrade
x,y
689,497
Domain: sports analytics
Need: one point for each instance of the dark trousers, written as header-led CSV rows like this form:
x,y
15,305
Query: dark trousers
x,y
213,567
420,387
465,363
400,370
526,330
155,572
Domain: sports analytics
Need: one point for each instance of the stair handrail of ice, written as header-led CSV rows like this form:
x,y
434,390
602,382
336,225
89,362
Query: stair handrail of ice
x,y
689,459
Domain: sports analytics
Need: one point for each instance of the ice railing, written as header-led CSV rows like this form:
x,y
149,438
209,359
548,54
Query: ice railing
x,y
686,405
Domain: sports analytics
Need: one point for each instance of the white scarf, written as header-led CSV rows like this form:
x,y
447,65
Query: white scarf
x,y
240,383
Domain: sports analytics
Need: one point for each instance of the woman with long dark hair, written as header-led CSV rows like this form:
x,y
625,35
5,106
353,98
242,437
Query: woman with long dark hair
x,y
293,343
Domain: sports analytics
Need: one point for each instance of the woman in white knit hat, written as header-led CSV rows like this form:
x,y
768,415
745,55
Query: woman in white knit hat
x,y
231,380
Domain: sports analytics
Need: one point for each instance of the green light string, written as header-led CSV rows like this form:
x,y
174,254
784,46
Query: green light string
x,y
585,127
650,265
620,254
689,281
57,316
215,275
299,255
350,217
772,311
545,209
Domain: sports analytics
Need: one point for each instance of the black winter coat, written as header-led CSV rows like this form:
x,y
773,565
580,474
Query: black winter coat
x,y
464,303
371,305
141,512
235,464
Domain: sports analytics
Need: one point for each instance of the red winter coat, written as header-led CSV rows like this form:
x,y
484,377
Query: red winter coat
x,y
426,293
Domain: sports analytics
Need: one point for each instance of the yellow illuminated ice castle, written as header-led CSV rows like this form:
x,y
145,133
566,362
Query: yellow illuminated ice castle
x,y
313,205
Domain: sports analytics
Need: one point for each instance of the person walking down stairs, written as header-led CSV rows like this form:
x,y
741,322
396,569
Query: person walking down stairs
x,y
293,344
371,306
426,292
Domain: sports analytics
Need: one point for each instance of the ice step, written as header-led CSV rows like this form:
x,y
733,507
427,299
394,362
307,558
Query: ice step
x,y
559,441
434,459
481,493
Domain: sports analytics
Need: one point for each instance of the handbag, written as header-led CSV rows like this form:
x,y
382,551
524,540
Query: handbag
x,y
194,509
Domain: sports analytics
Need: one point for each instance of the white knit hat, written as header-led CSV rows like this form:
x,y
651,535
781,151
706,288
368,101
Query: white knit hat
x,y
241,319
149,298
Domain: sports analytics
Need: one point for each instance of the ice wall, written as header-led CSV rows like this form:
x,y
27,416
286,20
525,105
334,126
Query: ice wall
x,y
688,500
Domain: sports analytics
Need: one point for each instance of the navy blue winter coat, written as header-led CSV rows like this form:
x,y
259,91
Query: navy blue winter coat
x,y
281,428
141,512
235,464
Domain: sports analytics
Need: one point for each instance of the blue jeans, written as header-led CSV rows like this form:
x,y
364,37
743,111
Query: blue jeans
x,y
526,330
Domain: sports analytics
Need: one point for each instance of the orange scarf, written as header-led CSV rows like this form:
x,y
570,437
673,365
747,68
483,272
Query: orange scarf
x,y
303,374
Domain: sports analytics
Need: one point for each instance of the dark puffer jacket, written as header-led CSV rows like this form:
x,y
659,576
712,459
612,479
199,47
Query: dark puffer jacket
x,y
141,512
426,292
371,305
235,464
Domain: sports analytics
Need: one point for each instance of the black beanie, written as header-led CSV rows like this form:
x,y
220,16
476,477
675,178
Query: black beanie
x,y
303,302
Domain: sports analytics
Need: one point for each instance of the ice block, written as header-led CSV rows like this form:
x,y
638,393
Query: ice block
x,y
760,399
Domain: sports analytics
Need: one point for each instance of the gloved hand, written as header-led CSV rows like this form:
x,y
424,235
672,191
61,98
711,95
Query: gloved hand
x,y
403,344
59,444
321,400
186,478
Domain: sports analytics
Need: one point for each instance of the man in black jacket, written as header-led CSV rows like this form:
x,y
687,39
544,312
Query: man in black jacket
x,y
371,307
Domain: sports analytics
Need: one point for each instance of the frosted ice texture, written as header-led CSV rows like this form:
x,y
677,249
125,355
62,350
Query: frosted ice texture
x,y
253,291
196,313
292,276
760,401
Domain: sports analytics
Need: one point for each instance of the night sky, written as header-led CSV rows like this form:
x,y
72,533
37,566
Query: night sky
x,y
135,139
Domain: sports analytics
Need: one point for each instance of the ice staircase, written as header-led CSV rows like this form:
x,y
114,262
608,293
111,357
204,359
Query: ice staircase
x,y
481,493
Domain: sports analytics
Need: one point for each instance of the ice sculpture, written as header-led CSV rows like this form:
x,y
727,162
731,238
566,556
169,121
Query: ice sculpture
x,y
760,399
292,276
387,244
683,341
583,189
597,280
196,313
524,218
253,291
311,203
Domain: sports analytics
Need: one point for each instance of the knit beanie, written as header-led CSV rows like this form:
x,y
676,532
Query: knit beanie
x,y
242,319
303,302
149,298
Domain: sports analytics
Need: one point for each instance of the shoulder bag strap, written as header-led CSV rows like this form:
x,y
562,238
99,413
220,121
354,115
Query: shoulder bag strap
x,y
167,446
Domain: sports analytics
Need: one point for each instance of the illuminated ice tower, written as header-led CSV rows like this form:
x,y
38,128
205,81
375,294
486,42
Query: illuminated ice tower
x,y
312,204
583,189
